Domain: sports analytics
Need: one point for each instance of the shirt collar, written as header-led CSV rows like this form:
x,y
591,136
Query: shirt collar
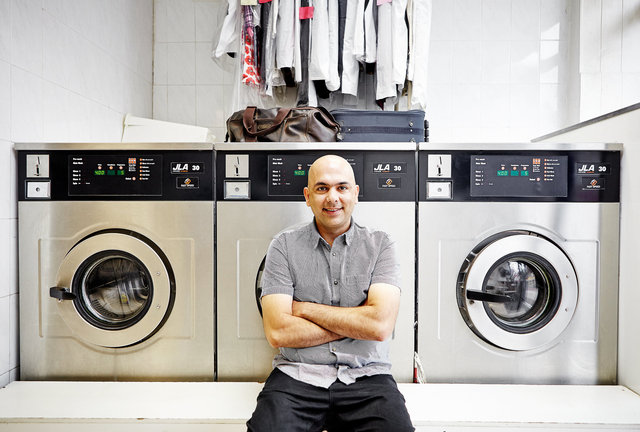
x,y
315,239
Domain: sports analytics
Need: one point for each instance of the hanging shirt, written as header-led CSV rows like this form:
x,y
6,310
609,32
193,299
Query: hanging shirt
x,y
319,67
333,80
421,12
385,85
400,41
370,34
231,29
350,66
285,34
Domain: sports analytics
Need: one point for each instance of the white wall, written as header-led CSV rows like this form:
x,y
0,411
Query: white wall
x,y
188,87
69,70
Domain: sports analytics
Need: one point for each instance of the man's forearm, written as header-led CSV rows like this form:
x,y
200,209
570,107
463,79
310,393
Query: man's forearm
x,y
360,322
297,332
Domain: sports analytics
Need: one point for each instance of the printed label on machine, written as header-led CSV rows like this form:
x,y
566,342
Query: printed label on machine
x,y
187,182
389,182
593,168
390,167
187,167
593,183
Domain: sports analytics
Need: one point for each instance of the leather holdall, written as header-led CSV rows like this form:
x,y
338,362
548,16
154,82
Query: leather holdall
x,y
300,124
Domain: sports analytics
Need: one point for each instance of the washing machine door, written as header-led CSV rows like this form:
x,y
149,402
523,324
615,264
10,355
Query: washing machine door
x,y
114,289
517,291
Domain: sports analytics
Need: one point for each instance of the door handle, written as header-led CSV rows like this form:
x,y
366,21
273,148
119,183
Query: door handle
x,y
488,297
61,293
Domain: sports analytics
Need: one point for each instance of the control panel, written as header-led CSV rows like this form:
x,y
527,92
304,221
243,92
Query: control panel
x,y
283,175
575,176
115,175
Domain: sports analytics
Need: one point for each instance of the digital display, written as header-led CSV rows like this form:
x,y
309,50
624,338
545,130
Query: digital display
x,y
115,175
519,176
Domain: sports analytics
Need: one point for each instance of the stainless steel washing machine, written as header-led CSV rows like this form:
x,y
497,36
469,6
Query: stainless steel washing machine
x,y
518,263
259,193
116,261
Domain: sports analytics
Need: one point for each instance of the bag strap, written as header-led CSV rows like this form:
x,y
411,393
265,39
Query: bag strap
x,y
249,124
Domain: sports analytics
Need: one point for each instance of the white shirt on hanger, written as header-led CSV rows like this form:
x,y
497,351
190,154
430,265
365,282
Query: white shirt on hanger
x,y
231,29
350,66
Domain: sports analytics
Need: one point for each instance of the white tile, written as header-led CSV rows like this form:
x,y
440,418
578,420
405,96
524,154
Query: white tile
x,y
5,334
137,95
160,63
440,108
209,106
106,124
631,37
494,105
5,30
208,70
611,60
525,62
550,59
611,92
160,103
160,21
440,62
467,20
524,101
590,36
206,19
467,104
496,62
14,336
55,112
442,21
630,88
496,20
552,108
181,102
58,57
525,20
5,100
590,96
467,61
26,106
181,68
26,35
554,17
79,118
181,24
5,379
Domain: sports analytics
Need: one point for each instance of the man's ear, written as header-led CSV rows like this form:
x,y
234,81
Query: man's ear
x,y
305,191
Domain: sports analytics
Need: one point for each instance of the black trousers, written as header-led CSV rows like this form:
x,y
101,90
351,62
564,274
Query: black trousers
x,y
370,404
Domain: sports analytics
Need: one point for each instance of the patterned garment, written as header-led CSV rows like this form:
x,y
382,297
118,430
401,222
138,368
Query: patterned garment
x,y
250,73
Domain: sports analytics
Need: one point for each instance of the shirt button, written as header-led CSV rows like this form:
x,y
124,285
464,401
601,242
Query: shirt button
x,y
333,254
333,349
335,281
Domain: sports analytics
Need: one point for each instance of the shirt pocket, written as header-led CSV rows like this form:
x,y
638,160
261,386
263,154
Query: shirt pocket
x,y
355,290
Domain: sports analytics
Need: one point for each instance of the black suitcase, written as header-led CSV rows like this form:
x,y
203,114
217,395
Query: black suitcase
x,y
381,126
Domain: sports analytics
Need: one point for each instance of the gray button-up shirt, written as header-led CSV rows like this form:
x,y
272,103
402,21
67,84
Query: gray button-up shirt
x,y
301,263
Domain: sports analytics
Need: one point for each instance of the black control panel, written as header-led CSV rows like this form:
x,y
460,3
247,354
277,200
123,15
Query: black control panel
x,y
282,175
571,176
115,175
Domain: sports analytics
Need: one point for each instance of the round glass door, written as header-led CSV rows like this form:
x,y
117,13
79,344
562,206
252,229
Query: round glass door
x,y
517,291
113,290
123,286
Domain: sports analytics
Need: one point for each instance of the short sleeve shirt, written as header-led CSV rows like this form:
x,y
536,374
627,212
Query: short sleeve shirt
x,y
300,263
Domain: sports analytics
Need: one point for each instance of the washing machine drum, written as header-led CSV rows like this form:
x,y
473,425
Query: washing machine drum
x,y
517,291
114,289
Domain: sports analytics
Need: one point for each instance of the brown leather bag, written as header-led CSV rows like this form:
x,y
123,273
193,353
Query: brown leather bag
x,y
300,124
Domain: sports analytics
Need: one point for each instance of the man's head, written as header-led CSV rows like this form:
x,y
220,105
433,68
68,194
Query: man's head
x,y
331,193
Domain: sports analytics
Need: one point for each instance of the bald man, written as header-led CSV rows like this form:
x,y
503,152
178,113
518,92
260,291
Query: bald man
x,y
330,298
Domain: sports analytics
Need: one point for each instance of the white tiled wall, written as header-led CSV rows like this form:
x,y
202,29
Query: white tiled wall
x,y
609,61
69,71
189,87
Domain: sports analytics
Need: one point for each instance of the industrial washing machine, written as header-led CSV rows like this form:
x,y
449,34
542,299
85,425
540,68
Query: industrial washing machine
x,y
259,192
116,261
518,263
